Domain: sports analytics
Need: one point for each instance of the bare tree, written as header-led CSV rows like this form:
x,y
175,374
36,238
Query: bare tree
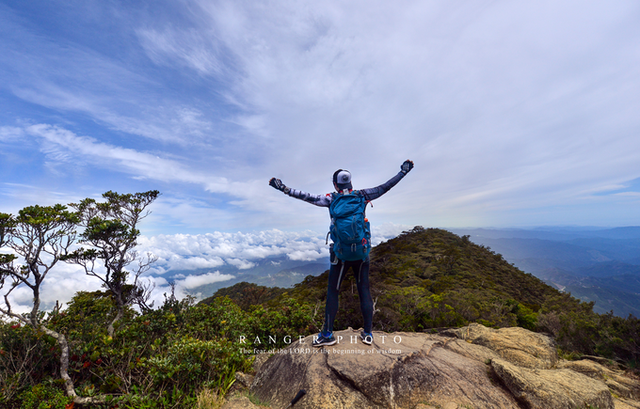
x,y
41,236
111,232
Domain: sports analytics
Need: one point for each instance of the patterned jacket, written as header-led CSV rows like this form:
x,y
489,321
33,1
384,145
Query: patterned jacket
x,y
369,194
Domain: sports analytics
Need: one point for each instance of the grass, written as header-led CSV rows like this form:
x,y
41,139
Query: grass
x,y
569,356
255,400
209,399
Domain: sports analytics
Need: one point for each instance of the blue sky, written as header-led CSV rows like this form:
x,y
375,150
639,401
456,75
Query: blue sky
x,y
516,114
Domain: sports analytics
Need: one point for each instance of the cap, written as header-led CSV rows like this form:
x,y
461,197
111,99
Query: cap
x,y
342,178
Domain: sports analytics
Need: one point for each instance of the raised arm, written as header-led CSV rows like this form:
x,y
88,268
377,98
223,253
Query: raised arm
x,y
375,192
318,200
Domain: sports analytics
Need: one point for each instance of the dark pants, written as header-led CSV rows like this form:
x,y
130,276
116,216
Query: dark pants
x,y
337,272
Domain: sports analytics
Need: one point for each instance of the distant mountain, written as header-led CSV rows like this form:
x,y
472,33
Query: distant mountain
x,y
618,293
610,269
517,248
621,233
246,294
555,233
618,249
593,265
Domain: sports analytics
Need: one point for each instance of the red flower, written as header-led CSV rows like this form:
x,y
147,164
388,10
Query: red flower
x,y
15,326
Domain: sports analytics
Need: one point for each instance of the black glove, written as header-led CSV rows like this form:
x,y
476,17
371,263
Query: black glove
x,y
406,166
277,184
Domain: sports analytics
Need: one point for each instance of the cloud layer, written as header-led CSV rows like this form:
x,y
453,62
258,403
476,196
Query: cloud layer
x,y
211,250
184,253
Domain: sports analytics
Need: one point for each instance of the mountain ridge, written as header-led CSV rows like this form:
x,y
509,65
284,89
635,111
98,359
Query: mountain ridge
x,y
576,264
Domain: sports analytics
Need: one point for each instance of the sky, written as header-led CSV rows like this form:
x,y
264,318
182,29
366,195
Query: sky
x,y
516,114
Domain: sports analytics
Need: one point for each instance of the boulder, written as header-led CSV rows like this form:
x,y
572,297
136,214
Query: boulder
x,y
616,380
553,388
400,370
516,345
470,367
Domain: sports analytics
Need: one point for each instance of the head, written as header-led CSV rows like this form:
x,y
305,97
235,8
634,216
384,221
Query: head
x,y
342,180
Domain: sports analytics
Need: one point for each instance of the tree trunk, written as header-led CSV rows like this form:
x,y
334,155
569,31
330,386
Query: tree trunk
x,y
64,359
110,328
64,369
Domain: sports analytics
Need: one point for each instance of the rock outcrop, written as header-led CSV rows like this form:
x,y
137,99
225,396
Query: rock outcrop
x,y
516,345
470,367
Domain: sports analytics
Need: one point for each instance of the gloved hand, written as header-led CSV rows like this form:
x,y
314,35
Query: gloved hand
x,y
277,184
406,166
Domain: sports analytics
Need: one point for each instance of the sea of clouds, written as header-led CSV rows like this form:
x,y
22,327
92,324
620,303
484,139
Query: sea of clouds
x,y
189,252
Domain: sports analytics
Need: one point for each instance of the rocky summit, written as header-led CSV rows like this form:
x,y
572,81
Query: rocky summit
x,y
470,367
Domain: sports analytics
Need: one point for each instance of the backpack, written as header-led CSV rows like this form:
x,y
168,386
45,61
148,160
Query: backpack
x,y
350,230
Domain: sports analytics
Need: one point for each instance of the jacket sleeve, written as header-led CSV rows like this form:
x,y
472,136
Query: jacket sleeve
x,y
375,192
318,200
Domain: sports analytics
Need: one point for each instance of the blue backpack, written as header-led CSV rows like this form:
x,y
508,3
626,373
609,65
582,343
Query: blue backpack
x,y
350,230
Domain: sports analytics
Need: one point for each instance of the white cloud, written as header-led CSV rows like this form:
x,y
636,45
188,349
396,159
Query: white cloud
x,y
241,264
190,252
187,252
501,106
194,281
387,231
10,133
211,250
64,281
192,263
60,285
194,49
305,255
63,145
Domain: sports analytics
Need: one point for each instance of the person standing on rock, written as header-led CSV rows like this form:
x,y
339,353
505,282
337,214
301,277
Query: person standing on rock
x,y
351,238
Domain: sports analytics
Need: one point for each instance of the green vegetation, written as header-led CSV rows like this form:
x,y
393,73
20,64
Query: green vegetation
x,y
100,352
247,295
174,356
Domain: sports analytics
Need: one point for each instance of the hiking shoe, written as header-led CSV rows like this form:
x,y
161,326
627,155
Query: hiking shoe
x,y
366,337
324,339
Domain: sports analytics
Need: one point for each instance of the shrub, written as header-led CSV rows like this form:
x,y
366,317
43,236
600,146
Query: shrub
x,y
190,362
26,358
44,397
